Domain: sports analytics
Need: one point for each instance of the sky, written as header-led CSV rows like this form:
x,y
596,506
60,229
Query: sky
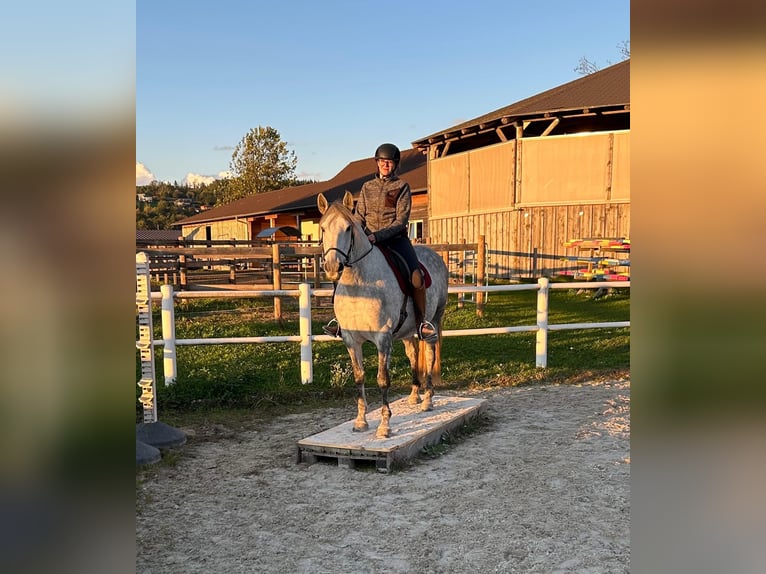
x,y
336,78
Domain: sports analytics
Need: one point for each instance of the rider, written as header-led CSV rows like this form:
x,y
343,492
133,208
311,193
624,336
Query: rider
x,y
383,209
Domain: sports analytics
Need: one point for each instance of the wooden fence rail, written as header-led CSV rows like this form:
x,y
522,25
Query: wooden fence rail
x,y
191,268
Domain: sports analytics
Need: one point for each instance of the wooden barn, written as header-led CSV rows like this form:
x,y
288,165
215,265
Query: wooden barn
x,y
251,217
535,174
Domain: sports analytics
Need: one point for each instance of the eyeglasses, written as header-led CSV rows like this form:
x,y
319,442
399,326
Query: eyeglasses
x,y
388,161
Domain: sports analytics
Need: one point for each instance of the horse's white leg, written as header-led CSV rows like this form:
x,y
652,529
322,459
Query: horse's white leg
x,y
411,349
357,364
384,382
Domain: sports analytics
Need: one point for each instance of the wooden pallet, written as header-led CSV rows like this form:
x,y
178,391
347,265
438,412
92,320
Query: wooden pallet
x,y
411,431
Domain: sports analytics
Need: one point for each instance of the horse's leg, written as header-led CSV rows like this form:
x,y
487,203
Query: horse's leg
x,y
357,364
430,361
384,382
411,350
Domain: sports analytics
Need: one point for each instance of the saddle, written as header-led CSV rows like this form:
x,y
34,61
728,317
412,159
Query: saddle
x,y
401,271
398,265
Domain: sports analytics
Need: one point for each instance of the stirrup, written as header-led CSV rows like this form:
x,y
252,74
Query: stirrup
x,y
333,330
425,335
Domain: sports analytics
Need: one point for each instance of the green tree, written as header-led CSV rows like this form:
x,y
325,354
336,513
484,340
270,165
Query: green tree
x,y
261,162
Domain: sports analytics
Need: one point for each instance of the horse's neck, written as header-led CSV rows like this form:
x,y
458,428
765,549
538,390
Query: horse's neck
x,y
361,244
363,255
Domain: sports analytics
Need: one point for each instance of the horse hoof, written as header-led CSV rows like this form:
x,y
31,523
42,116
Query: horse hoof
x,y
427,406
360,427
383,433
414,399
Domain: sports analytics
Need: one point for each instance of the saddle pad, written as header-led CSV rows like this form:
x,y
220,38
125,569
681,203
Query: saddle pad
x,y
399,272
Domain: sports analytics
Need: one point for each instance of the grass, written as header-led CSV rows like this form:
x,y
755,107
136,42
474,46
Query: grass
x,y
217,379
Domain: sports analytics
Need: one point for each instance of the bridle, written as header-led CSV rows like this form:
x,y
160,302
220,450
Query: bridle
x,y
347,262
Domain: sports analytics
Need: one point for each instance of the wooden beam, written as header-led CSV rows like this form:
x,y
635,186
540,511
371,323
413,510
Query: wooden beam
x,y
500,134
550,127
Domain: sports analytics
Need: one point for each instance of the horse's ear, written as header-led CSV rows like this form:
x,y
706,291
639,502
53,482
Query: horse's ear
x,y
348,200
322,203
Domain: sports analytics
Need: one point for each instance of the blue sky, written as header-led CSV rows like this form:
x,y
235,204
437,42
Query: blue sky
x,y
338,77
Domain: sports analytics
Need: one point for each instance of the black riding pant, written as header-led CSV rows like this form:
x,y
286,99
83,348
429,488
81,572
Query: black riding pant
x,y
402,245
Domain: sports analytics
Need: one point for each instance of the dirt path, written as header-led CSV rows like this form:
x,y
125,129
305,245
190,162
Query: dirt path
x,y
543,486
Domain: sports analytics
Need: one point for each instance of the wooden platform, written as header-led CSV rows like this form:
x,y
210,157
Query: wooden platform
x,y
411,431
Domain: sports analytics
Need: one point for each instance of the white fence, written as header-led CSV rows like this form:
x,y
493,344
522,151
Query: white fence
x,y
305,338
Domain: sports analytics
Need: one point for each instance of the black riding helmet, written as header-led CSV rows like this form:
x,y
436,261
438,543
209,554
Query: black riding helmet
x,y
388,151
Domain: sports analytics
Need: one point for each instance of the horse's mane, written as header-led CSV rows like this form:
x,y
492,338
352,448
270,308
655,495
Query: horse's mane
x,y
345,211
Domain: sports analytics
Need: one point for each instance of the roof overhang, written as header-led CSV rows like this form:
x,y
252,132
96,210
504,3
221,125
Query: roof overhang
x,y
501,123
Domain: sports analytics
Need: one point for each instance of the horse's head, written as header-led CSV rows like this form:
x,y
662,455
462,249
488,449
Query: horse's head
x,y
337,231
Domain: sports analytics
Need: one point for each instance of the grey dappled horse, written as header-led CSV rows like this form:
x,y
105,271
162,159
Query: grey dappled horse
x,y
368,302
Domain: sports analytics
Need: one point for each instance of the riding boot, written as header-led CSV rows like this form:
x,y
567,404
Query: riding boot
x,y
426,331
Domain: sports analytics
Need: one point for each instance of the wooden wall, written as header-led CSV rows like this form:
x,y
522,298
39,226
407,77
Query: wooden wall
x,y
566,187
242,229
219,230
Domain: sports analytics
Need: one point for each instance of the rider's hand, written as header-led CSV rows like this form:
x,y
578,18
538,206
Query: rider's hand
x,y
371,237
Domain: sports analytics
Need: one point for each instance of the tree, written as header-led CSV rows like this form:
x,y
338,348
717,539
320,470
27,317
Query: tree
x,y
585,66
261,162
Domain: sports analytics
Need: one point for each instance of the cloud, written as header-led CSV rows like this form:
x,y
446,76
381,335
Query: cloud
x,y
314,175
143,175
195,179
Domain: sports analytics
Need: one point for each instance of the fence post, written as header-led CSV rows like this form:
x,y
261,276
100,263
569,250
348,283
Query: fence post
x,y
307,363
541,345
461,296
147,383
317,273
168,335
277,279
182,270
480,274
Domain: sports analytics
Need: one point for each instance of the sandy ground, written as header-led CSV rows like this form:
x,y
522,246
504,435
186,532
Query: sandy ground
x,y
542,485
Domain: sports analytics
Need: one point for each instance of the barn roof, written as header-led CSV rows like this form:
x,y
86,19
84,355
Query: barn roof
x,y
605,90
157,235
286,229
412,169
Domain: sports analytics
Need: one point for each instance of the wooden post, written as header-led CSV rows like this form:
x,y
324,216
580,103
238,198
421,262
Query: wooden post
x,y
232,272
461,296
317,272
480,274
182,270
277,275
